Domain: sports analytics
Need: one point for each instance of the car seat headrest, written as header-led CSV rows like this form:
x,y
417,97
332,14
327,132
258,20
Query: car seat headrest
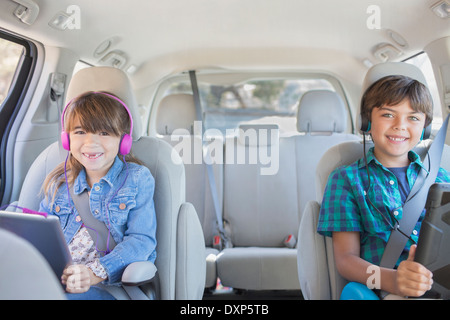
x,y
382,70
111,80
175,111
321,111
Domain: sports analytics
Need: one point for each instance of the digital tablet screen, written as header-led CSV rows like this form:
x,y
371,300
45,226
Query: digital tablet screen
x,y
43,233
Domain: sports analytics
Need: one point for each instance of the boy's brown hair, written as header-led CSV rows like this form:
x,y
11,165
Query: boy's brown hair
x,y
391,90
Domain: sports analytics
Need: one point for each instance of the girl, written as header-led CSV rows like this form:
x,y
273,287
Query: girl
x,y
120,195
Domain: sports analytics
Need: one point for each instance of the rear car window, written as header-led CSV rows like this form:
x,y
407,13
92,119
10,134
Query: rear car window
x,y
253,100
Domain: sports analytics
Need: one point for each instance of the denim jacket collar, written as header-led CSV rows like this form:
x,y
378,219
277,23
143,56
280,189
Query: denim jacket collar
x,y
80,184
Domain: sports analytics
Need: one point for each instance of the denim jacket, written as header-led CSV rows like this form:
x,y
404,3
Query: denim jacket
x,y
130,215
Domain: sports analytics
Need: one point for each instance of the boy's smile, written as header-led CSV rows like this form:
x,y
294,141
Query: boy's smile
x,y
395,131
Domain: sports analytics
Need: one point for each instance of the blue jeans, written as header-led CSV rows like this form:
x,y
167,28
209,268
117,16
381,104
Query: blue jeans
x,y
94,293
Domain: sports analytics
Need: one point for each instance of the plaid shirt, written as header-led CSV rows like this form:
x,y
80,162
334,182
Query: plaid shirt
x,y
345,208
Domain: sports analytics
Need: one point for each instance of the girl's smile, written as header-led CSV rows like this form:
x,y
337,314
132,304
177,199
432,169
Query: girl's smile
x,y
95,151
92,156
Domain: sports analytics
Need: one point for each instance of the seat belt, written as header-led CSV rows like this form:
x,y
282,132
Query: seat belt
x,y
98,231
416,200
211,179
103,240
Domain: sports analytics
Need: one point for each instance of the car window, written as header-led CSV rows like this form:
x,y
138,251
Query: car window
x,y
80,65
423,63
10,53
16,64
254,100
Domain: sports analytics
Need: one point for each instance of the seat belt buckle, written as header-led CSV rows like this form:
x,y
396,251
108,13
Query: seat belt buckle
x,y
290,241
217,242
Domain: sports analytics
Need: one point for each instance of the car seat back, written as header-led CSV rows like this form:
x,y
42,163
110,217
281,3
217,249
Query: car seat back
x,y
322,118
25,274
176,124
175,121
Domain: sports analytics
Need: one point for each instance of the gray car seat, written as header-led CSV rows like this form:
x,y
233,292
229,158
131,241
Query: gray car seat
x,y
175,119
260,210
25,274
317,273
264,210
322,118
180,249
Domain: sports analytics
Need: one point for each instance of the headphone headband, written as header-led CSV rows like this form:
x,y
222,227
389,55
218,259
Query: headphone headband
x,y
126,141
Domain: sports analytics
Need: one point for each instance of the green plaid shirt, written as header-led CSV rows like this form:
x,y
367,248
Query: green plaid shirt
x,y
345,206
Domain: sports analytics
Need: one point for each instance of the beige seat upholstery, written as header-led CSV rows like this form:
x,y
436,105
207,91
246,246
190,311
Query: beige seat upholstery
x,y
262,210
322,118
318,276
175,119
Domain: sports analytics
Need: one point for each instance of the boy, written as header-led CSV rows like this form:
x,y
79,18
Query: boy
x,y
360,203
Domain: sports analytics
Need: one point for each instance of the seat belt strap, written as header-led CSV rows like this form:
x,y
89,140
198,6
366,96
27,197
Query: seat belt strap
x,y
98,231
209,168
416,200
198,106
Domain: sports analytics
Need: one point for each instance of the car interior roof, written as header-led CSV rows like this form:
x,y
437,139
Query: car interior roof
x,y
162,37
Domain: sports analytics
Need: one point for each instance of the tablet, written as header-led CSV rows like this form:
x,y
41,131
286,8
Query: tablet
x,y
43,233
433,247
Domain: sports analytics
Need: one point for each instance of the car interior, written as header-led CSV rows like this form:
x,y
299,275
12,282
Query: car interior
x,y
241,110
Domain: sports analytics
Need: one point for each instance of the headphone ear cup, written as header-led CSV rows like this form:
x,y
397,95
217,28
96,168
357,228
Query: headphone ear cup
x,y
426,133
65,140
364,123
125,144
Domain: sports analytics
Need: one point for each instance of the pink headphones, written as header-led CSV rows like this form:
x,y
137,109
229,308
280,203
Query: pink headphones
x,y
126,140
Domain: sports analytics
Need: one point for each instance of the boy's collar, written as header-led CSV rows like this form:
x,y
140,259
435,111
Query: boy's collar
x,y
80,184
413,157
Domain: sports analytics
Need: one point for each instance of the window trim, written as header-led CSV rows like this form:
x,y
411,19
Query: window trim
x,y
14,100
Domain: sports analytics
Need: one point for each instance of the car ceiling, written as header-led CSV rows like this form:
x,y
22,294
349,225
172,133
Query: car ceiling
x,y
161,37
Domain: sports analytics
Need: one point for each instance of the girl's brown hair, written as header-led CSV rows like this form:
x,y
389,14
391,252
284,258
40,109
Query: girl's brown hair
x,y
392,90
95,112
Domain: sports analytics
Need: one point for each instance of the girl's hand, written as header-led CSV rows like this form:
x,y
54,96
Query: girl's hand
x,y
413,279
77,279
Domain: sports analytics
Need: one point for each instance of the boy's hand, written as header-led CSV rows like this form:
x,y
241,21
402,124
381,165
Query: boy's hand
x,y
412,278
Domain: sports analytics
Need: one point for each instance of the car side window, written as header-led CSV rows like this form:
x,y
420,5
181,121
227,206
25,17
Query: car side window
x,y
17,60
423,63
10,53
